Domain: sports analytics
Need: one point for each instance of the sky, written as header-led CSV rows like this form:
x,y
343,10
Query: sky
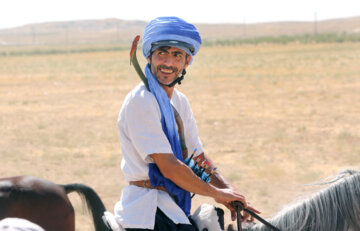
x,y
21,12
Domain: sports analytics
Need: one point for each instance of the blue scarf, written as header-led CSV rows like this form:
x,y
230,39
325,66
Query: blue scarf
x,y
182,197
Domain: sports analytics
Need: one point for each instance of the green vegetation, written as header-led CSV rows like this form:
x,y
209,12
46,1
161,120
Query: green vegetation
x,y
284,39
60,49
90,48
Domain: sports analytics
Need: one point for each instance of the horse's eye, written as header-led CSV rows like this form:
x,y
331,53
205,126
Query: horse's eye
x,y
205,229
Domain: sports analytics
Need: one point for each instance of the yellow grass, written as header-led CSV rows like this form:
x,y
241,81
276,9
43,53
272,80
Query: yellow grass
x,y
272,117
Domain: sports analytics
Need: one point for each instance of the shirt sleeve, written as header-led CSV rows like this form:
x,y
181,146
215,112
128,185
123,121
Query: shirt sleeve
x,y
143,125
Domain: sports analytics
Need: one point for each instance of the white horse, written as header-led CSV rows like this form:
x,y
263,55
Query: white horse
x,y
335,208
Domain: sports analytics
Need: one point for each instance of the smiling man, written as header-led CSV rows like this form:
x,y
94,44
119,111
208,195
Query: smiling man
x,y
167,63
157,196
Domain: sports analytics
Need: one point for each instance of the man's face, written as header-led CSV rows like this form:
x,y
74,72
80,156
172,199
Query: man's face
x,y
167,63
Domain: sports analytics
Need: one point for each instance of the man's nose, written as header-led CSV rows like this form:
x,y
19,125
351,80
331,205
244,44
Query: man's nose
x,y
168,60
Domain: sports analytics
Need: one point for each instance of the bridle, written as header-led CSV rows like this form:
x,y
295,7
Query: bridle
x,y
238,206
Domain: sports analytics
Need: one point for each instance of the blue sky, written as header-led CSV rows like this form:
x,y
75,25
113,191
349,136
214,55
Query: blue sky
x,y
20,12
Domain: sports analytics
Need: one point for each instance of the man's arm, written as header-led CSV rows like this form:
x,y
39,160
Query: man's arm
x,y
219,189
184,177
217,179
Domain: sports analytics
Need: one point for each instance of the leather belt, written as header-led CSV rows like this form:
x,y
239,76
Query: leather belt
x,y
146,184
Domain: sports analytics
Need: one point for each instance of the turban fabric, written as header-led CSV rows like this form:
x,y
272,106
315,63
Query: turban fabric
x,y
171,29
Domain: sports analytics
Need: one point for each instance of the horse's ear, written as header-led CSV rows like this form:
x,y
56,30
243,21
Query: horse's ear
x,y
220,214
230,228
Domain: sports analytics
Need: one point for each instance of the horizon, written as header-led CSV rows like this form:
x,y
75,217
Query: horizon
x,y
120,19
257,11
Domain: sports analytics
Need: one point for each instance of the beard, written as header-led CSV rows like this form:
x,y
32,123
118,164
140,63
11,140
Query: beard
x,y
165,75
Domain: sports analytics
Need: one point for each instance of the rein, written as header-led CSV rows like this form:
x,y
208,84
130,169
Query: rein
x,y
238,206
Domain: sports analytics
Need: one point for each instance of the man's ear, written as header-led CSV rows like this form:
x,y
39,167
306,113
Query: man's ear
x,y
149,59
187,61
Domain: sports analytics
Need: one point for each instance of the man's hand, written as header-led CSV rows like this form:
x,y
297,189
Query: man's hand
x,y
226,196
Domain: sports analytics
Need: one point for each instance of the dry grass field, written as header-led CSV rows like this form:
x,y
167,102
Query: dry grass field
x,y
272,117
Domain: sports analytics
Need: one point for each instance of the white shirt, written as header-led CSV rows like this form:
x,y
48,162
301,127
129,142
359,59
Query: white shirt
x,y
141,134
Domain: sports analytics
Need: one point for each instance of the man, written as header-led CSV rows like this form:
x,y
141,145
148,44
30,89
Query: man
x,y
157,197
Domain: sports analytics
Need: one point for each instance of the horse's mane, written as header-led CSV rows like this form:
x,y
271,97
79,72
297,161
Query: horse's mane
x,y
336,207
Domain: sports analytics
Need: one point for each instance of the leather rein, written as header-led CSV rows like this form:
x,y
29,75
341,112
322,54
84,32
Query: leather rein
x,y
238,206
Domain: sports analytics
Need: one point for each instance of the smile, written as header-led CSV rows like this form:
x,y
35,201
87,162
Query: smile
x,y
167,70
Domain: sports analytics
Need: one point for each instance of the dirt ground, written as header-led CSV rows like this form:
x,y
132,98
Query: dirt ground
x,y
272,118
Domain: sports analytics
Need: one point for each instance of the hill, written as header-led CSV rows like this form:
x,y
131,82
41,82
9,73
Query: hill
x,y
121,31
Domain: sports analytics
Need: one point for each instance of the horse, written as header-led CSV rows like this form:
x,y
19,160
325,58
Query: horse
x,y
46,203
335,208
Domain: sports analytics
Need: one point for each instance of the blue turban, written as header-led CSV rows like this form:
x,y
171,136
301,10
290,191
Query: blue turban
x,y
174,31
